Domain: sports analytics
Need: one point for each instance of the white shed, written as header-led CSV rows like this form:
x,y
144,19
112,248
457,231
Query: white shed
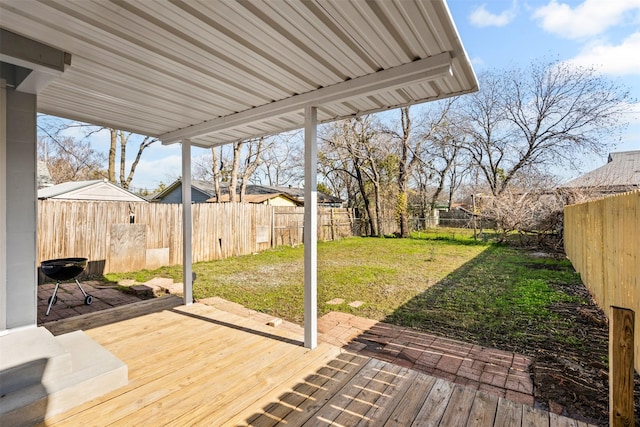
x,y
97,190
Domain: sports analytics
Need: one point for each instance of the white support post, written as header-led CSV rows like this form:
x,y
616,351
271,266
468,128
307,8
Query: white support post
x,y
3,206
187,256
310,228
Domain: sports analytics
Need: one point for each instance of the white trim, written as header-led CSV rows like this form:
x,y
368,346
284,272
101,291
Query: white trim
x,y
421,70
187,256
310,228
3,206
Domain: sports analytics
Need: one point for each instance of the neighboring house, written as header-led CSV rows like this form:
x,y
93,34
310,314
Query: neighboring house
x,y
204,191
274,199
297,194
620,174
98,190
201,191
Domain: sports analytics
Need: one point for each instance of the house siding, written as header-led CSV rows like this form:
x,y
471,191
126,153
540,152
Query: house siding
x,y
175,196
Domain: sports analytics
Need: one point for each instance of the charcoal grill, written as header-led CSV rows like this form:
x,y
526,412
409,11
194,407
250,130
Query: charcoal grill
x,y
64,269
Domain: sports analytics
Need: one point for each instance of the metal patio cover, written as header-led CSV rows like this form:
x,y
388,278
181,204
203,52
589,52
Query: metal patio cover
x,y
220,71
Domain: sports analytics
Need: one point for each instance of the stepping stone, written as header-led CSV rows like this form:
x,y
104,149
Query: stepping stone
x,y
159,284
142,291
335,301
356,304
173,288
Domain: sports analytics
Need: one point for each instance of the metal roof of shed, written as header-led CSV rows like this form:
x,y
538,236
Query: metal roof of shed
x,y
621,172
221,71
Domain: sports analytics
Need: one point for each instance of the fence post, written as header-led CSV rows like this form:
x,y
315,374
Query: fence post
x,y
273,226
621,367
333,224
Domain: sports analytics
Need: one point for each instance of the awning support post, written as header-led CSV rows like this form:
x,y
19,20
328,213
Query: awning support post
x,y
187,256
310,228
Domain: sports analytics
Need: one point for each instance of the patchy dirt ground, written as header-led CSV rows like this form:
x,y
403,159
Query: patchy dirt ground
x,y
568,379
575,380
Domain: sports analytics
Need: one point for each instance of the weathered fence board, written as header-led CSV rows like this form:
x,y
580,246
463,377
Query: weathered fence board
x,y
602,240
621,333
220,230
127,248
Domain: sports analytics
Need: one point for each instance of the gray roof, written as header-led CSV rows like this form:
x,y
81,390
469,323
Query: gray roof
x,y
65,187
208,188
104,190
293,192
621,173
205,187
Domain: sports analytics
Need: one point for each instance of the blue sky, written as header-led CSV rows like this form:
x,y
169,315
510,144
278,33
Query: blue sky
x,y
502,33
604,34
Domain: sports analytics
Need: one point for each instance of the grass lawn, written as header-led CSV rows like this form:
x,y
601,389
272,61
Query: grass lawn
x,y
490,294
443,282
383,273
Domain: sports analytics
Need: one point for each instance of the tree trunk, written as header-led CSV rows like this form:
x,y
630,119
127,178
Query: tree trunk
x,y
146,142
111,170
123,156
216,172
365,200
252,163
378,203
233,184
403,172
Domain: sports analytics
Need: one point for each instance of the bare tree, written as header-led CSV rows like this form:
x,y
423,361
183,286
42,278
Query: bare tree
x,y
408,156
282,161
546,114
529,207
458,173
215,160
123,138
236,168
358,148
337,172
55,129
252,161
69,159
431,145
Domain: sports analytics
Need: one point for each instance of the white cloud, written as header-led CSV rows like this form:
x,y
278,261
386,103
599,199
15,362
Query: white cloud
x,y
481,17
617,60
590,18
477,61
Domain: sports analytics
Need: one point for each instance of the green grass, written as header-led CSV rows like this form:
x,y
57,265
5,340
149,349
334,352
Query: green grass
x,y
440,280
505,298
384,273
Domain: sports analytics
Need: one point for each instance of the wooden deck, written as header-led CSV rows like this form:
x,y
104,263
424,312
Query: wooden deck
x,y
198,365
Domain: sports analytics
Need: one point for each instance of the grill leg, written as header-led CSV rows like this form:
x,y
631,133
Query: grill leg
x,y
88,299
53,298
81,290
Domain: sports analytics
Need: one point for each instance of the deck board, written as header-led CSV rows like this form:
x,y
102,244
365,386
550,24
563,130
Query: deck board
x,y
534,417
393,394
459,407
433,408
508,413
407,409
199,365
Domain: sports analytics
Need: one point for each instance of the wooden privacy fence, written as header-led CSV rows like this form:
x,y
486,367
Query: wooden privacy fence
x,y
118,237
602,240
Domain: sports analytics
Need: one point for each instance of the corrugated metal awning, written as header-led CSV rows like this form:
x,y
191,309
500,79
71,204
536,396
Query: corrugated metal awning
x,y
220,71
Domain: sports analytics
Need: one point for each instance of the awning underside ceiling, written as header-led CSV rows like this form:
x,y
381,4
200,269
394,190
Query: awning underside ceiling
x,y
155,67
